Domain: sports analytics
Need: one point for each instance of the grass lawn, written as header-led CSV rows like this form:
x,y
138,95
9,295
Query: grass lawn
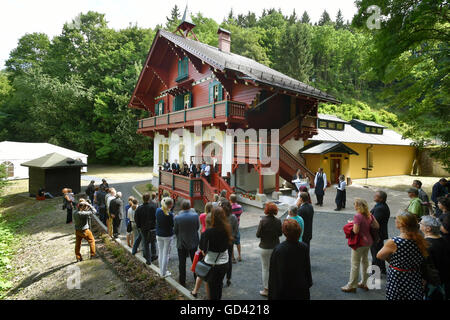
x,y
144,187
400,183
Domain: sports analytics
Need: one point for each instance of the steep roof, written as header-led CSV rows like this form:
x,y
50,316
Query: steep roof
x,y
53,160
250,68
10,150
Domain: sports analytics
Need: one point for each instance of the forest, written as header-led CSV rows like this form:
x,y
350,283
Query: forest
x,y
73,90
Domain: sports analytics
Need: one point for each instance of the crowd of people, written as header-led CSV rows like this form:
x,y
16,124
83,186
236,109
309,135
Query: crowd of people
x,y
418,259
192,170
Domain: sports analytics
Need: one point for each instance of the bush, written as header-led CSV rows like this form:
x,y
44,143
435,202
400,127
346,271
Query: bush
x,y
149,187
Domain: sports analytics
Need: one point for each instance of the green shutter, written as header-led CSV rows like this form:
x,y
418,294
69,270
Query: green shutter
x,y
156,109
211,92
220,97
162,104
190,99
186,66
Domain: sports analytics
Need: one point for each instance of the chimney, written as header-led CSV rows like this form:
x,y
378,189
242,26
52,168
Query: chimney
x,y
224,40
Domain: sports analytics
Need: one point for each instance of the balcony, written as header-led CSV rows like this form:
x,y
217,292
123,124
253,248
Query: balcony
x,y
219,112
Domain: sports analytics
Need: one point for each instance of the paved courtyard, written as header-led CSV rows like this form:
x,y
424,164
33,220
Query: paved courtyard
x,y
330,258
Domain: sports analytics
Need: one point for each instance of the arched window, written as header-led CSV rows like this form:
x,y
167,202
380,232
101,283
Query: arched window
x,y
181,154
9,169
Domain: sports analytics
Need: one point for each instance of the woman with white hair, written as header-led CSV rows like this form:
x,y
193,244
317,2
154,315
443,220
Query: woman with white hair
x,y
439,256
164,234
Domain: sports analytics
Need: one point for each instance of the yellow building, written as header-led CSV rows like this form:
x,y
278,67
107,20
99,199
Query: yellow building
x,y
357,149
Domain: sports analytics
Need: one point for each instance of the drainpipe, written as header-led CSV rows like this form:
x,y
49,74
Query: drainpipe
x,y
367,161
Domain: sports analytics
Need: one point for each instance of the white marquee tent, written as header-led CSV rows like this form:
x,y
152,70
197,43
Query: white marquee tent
x,y
13,154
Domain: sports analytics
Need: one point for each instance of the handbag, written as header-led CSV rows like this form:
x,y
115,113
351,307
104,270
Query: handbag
x,y
374,232
129,227
202,269
198,256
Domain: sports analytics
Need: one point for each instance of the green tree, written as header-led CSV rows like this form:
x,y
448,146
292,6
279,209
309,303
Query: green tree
x,y
324,18
294,52
411,57
305,18
30,52
174,20
339,24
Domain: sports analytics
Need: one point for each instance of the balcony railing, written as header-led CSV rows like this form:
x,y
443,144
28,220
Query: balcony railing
x,y
223,110
190,186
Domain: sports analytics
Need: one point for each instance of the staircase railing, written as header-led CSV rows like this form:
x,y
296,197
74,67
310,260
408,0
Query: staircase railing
x,y
293,162
289,128
208,191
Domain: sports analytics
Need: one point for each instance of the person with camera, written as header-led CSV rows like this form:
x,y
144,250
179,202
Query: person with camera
x,y
82,218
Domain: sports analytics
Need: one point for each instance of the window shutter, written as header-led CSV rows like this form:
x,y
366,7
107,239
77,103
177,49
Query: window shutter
x,y
186,66
179,68
211,92
190,100
220,97
162,106
156,110
174,104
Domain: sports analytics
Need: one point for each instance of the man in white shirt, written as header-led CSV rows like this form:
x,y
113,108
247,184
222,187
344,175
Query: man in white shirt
x,y
208,173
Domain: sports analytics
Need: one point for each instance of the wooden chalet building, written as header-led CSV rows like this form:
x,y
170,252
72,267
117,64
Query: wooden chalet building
x,y
184,82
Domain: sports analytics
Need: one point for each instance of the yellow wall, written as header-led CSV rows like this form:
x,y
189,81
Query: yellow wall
x,y
387,161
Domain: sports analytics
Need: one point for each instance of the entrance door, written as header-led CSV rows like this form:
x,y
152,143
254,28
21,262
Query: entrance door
x,y
335,170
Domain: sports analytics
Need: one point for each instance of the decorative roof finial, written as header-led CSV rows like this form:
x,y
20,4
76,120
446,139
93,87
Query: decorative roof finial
x,y
186,25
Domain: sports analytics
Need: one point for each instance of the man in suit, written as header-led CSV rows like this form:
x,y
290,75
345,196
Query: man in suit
x,y
306,211
186,227
175,167
193,169
115,210
439,190
145,219
320,185
166,165
382,213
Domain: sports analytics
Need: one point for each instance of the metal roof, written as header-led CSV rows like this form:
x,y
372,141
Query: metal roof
x,y
53,160
368,123
352,135
330,117
327,147
250,68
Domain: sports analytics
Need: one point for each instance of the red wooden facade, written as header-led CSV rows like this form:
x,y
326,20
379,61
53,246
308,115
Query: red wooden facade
x,y
238,102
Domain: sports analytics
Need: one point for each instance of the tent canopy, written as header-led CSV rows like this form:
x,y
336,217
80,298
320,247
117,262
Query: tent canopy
x,y
53,160
10,150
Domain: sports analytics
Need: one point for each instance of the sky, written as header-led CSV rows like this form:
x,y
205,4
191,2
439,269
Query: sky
x,y
18,17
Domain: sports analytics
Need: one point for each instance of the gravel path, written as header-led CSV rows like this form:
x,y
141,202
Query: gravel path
x,y
46,259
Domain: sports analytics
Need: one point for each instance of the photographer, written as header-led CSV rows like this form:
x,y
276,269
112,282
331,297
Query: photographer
x,y
82,218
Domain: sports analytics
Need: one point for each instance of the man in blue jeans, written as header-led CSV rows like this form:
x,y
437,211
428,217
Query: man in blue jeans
x,y
186,228
145,219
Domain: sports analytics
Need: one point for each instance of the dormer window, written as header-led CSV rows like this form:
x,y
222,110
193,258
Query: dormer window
x,y
183,69
331,125
373,130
